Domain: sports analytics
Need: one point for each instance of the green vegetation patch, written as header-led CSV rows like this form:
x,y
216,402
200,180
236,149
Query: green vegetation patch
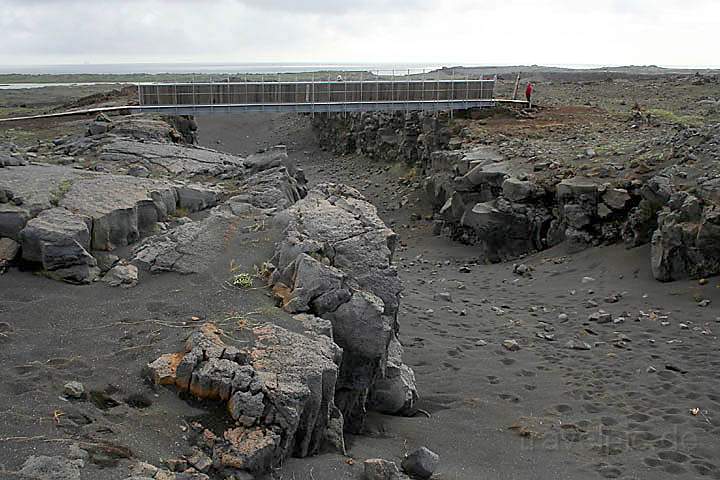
x,y
242,280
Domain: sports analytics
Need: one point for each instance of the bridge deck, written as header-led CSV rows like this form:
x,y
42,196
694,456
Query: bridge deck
x,y
316,96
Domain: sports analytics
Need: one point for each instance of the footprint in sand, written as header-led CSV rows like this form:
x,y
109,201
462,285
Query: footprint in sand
x,y
608,421
509,397
673,456
609,471
703,468
450,366
639,417
674,419
593,408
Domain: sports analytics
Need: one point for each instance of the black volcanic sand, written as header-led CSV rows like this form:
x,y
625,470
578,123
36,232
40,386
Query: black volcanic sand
x,y
622,409
542,412
52,333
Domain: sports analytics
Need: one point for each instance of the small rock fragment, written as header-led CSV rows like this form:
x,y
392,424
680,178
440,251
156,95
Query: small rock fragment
x,y
600,317
379,469
200,461
445,296
123,274
577,345
421,463
74,390
142,469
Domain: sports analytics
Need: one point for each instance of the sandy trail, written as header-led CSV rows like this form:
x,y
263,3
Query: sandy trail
x,y
622,409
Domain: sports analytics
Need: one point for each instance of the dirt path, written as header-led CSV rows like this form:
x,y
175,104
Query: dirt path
x,y
624,408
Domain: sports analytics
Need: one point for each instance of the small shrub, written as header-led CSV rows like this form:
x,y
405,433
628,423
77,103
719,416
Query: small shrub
x,y
242,280
63,188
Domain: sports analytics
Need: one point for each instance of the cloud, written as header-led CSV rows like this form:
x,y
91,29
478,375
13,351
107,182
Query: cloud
x,y
371,31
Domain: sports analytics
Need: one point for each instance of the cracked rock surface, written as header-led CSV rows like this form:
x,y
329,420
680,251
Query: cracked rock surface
x,y
278,387
335,263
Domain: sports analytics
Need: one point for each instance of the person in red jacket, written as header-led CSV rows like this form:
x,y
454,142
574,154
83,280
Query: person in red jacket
x,y
528,93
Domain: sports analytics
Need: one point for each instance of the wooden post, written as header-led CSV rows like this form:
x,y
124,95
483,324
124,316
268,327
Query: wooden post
x,y
517,86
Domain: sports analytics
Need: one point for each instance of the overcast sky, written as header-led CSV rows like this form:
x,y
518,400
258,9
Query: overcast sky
x,y
478,32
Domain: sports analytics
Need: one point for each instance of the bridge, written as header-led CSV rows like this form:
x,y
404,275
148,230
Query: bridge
x,y
306,94
310,96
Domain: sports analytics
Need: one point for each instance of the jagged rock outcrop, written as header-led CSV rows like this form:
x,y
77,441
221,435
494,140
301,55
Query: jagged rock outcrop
x,y
335,263
175,129
10,156
119,210
61,215
678,212
410,137
275,188
142,145
278,386
152,147
501,207
191,246
171,159
641,222
687,240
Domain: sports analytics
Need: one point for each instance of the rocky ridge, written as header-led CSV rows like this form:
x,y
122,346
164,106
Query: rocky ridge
x,y
61,215
335,262
397,136
295,390
510,207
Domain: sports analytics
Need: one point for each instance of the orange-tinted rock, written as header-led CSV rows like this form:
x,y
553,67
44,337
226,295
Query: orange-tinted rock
x,y
213,380
249,449
163,370
283,292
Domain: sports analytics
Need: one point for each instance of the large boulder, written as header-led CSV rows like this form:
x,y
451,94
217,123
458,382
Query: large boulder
x,y
520,191
421,463
278,387
616,198
187,248
573,190
59,240
503,230
687,240
275,188
379,469
121,208
395,392
12,220
8,160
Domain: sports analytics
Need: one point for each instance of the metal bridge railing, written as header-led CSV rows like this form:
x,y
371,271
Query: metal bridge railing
x,y
335,91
